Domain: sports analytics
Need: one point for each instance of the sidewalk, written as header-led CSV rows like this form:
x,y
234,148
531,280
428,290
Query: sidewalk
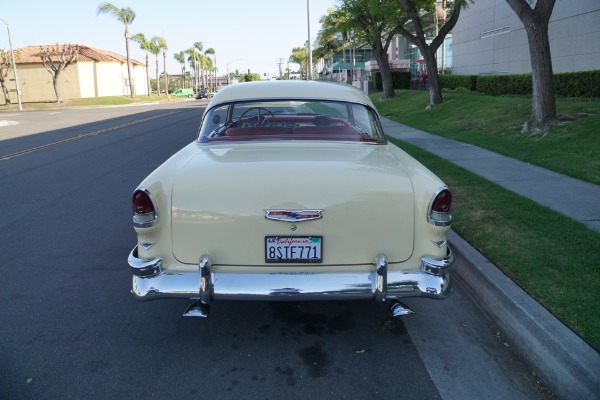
x,y
568,365
572,197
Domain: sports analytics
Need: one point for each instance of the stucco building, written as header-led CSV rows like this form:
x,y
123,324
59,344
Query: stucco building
x,y
95,73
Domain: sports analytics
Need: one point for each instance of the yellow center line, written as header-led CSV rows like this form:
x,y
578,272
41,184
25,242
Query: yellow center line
x,y
81,136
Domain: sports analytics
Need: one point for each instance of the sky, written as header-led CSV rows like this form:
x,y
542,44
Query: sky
x,y
244,34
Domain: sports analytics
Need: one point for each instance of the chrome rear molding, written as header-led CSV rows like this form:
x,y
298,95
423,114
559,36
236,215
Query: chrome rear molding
x,y
144,268
439,267
207,285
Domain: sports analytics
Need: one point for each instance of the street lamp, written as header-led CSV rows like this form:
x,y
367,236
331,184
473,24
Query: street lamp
x,y
309,45
12,54
237,59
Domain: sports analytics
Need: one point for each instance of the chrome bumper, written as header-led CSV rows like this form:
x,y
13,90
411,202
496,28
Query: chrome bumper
x,y
432,280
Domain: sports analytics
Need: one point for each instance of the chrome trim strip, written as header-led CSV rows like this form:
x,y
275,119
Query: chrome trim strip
x,y
206,286
144,268
381,278
438,267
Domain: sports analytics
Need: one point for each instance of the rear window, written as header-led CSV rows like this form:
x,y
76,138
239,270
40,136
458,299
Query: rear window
x,y
291,120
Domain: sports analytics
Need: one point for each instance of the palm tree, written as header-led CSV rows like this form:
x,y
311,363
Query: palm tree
x,y
300,56
145,45
126,16
328,45
211,51
334,22
207,65
180,58
198,47
157,44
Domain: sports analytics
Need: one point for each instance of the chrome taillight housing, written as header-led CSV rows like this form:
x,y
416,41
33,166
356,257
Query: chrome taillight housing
x,y
439,212
144,213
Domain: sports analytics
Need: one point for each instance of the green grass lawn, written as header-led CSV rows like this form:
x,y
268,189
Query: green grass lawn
x,y
494,123
552,257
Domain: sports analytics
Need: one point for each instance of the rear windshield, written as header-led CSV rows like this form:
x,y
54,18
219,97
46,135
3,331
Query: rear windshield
x,y
291,120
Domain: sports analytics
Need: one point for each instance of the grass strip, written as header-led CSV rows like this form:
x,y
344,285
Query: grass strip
x,y
494,123
85,102
551,256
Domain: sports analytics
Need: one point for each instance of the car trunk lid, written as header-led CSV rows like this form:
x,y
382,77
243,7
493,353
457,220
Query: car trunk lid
x,y
221,197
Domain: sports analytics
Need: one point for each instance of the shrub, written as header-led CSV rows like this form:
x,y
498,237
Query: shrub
x,y
577,84
400,80
584,84
497,85
452,82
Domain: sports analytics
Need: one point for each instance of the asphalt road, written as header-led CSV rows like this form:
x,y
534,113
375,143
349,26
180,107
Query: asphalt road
x,y
69,328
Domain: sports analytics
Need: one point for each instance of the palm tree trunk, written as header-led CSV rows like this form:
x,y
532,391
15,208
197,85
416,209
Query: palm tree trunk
x,y
165,72
157,78
148,74
131,92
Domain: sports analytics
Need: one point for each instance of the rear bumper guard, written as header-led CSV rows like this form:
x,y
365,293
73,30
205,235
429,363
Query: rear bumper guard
x,y
432,280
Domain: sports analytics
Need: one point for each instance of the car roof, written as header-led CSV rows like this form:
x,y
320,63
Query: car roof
x,y
290,89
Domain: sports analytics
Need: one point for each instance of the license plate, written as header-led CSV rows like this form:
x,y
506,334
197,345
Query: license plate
x,y
293,249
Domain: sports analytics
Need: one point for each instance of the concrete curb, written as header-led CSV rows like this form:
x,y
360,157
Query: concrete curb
x,y
565,363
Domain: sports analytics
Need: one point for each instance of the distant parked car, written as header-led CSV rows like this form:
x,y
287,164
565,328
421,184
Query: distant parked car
x,y
189,92
291,192
202,94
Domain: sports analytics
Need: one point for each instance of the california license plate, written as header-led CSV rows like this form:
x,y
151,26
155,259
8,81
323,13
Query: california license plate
x,y
293,249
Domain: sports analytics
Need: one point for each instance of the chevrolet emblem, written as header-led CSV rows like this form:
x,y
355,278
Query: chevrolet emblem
x,y
293,215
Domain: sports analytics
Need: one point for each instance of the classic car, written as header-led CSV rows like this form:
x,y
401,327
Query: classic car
x,y
291,192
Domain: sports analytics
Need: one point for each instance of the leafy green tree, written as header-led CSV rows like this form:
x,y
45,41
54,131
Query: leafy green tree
x,y
57,59
145,45
125,16
249,77
535,17
417,11
374,22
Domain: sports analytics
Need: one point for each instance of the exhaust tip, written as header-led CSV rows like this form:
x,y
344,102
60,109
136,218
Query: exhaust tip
x,y
197,309
399,309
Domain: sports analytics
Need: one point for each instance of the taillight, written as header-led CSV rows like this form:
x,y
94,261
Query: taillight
x,y
440,208
144,214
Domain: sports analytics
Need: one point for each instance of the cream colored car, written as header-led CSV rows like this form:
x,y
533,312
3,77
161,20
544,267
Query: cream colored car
x,y
291,192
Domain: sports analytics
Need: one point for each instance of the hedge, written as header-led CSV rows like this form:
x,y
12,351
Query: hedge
x,y
568,84
400,80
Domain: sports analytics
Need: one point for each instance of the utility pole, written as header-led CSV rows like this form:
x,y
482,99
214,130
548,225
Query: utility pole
x,y
309,45
280,63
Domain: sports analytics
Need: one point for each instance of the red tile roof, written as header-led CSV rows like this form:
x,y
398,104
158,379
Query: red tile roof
x,y
31,54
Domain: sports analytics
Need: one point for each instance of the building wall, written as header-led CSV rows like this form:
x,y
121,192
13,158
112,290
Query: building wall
x,y
490,39
86,71
80,80
36,85
139,79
